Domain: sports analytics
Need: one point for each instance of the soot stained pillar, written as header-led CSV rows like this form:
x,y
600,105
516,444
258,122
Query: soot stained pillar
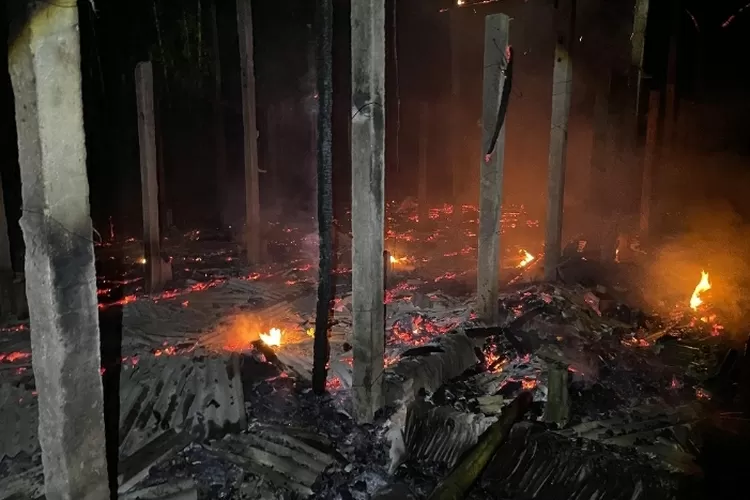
x,y
368,202
45,67
562,88
496,36
144,90
254,246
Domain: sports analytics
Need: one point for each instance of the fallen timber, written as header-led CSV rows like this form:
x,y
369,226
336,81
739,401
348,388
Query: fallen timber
x,y
463,477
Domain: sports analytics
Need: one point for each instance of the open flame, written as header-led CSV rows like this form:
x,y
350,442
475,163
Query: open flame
x,y
703,286
272,338
397,260
527,258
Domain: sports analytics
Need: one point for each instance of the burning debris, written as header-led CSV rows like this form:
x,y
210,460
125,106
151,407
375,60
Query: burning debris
x,y
215,380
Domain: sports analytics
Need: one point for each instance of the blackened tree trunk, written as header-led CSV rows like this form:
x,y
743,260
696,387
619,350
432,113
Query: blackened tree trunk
x,y
325,193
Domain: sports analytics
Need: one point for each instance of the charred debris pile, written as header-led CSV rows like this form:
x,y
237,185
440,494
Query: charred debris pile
x,y
573,395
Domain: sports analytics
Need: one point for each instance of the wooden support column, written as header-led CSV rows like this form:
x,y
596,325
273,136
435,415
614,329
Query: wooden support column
x,y
144,89
496,36
220,140
45,67
368,203
649,159
637,50
456,112
600,153
271,136
325,194
254,246
424,138
670,104
562,88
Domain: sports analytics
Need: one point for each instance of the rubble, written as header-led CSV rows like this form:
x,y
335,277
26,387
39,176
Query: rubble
x,y
544,465
278,457
19,420
613,389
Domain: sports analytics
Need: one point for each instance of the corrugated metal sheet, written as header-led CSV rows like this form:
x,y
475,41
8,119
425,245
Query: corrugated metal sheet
x,y
441,434
544,465
276,456
19,421
201,394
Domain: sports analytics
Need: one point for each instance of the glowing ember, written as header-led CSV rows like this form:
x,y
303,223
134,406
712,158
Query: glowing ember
x,y
703,286
142,260
272,338
527,258
14,356
528,384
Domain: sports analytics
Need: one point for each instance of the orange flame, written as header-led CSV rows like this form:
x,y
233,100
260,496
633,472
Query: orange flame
x,y
527,258
272,338
703,286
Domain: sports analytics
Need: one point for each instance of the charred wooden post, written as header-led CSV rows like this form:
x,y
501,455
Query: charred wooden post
x,y
45,68
144,90
220,141
254,245
165,213
272,164
557,409
649,159
637,49
424,137
456,129
322,347
6,263
600,149
670,108
368,203
562,88
496,36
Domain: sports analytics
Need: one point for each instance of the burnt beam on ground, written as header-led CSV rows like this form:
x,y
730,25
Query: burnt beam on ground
x,y
496,38
562,88
45,68
368,202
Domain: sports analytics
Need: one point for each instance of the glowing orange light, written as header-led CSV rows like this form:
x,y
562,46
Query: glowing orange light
x,y
703,286
272,338
527,259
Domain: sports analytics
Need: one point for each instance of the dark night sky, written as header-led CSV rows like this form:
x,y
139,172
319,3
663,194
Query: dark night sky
x,y
712,86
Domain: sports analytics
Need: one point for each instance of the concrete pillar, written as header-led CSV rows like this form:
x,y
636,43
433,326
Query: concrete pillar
x,y
254,245
649,159
562,88
144,91
496,37
368,202
44,60
424,139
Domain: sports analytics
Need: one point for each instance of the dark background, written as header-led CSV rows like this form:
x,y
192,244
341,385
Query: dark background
x,y
177,36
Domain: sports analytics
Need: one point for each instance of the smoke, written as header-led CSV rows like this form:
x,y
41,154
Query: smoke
x,y
713,238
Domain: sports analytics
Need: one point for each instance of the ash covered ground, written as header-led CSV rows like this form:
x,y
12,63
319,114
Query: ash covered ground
x,y
214,374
